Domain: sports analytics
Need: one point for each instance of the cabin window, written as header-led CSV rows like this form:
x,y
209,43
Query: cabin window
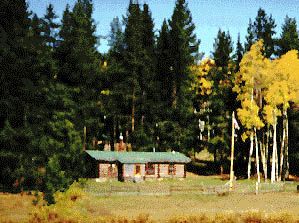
x,y
150,169
137,169
171,169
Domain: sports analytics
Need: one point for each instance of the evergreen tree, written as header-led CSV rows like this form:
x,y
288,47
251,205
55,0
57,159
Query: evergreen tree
x,y
289,37
115,90
262,28
14,59
116,39
134,58
164,68
238,54
222,75
149,67
78,62
140,68
50,27
133,55
250,36
22,71
184,48
222,100
222,49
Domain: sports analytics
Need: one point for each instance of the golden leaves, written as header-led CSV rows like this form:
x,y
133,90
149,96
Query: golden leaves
x,y
266,86
202,83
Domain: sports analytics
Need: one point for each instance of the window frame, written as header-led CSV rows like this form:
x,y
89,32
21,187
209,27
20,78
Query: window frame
x,y
137,166
171,169
150,169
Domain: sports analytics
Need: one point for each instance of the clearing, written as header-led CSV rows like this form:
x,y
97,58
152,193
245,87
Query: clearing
x,y
16,207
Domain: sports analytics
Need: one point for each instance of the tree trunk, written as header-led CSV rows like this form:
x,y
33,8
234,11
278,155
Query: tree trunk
x,y
133,109
267,152
250,154
257,159
276,163
286,171
263,157
143,111
221,161
274,153
282,148
174,94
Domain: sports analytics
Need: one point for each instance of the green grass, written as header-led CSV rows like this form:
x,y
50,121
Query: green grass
x,y
192,181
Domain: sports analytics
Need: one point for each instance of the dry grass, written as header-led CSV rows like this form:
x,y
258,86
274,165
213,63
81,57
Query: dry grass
x,y
164,207
15,207
78,206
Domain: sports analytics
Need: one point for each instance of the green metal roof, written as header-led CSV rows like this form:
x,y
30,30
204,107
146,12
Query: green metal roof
x,y
139,157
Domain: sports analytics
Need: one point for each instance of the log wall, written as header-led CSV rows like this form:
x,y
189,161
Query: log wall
x,y
108,170
129,171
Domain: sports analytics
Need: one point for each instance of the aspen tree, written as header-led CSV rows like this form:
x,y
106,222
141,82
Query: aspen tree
x,y
283,89
249,83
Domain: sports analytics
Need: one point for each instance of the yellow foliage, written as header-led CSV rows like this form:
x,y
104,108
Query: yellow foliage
x,y
248,115
202,84
254,68
284,87
105,92
275,81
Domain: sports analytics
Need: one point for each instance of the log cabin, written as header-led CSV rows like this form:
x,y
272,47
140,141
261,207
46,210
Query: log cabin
x,y
138,166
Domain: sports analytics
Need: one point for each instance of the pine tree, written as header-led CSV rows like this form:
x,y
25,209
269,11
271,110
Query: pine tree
x,y
164,67
262,28
21,81
133,57
222,100
115,91
222,49
222,76
184,47
289,37
50,27
238,54
149,67
14,58
116,39
250,36
140,67
78,61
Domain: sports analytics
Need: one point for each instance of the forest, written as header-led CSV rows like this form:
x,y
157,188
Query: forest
x,y
59,95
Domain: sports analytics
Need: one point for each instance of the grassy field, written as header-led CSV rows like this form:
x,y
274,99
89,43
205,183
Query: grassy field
x,y
79,205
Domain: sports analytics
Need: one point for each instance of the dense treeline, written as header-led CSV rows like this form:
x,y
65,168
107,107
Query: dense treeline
x,y
59,95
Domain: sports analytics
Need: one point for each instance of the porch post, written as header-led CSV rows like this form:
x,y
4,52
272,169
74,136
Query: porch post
x,y
158,170
99,170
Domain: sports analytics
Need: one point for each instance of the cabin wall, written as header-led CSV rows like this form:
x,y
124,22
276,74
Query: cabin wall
x,y
178,170
133,171
156,172
108,170
164,170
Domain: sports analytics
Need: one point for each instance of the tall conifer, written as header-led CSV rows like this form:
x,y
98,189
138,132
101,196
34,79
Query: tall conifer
x,y
184,47
262,28
289,37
